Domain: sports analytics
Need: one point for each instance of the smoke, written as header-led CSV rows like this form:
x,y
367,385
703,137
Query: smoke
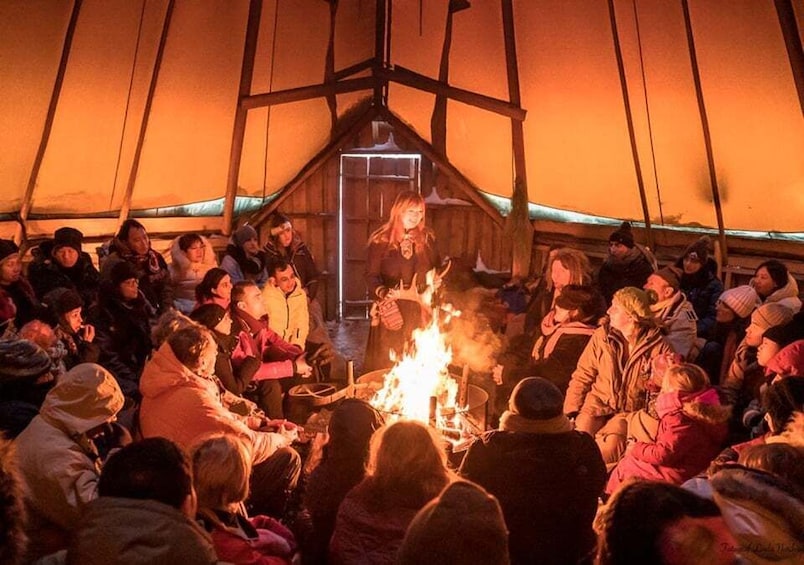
x,y
472,335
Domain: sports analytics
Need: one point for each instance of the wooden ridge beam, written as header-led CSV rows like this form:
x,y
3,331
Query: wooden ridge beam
x,y
306,92
413,79
471,191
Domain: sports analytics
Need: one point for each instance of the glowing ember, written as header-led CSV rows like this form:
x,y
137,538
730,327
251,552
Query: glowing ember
x,y
422,373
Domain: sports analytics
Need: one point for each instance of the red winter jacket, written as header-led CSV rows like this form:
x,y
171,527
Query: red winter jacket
x,y
256,339
692,428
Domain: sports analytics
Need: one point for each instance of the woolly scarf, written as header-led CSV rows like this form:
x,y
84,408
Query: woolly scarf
x,y
511,422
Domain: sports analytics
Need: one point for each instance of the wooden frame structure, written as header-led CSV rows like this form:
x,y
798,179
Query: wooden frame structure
x,y
375,74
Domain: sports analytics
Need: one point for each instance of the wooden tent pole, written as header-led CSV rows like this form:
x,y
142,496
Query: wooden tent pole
x,y
379,48
792,40
239,129
27,199
629,119
710,159
438,119
329,68
125,207
519,221
306,92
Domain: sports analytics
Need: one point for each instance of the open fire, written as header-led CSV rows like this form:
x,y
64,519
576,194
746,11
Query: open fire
x,y
419,385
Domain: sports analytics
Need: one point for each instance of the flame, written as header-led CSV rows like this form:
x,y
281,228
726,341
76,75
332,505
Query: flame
x,y
422,372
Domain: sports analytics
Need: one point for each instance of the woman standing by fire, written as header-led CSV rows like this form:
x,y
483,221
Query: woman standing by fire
x,y
400,253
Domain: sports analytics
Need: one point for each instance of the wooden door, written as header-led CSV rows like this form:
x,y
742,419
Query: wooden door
x,y
368,185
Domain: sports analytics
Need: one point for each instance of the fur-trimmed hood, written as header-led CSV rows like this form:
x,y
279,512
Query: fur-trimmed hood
x,y
764,496
787,295
705,406
180,263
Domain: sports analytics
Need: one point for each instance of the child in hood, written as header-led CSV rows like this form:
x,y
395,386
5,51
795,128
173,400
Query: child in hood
x,y
692,427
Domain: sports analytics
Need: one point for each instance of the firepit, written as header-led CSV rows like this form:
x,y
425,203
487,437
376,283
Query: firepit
x,y
467,420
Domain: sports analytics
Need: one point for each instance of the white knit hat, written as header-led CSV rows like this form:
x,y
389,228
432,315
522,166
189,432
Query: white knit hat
x,y
770,315
742,299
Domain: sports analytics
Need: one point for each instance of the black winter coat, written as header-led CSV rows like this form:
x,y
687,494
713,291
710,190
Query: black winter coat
x,y
548,486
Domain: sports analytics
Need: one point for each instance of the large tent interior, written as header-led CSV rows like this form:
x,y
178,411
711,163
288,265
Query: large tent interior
x,y
682,116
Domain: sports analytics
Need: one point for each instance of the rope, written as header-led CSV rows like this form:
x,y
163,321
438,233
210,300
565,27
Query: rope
x,y
128,104
647,112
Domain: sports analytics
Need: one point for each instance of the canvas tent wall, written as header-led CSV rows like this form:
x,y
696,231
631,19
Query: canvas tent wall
x,y
635,109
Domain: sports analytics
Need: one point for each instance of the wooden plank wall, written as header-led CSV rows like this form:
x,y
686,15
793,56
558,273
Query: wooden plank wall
x,y
461,231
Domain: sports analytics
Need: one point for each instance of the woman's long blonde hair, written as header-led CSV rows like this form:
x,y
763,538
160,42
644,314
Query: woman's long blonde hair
x,y
408,458
392,231
221,469
576,262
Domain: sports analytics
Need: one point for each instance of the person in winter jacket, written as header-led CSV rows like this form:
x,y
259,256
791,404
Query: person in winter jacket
x,y
25,379
400,254
221,470
692,427
342,466
673,311
744,377
763,502
19,294
613,377
75,336
700,284
181,401
627,264
192,257
547,476
774,283
663,524
214,288
13,541
62,263
285,245
244,261
732,317
788,362
554,355
463,526
406,469
132,245
279,361
144,512
286,304
122,321
61,452
565,266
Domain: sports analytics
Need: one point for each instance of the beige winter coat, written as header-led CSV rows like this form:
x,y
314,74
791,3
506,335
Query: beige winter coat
x,y
59,469
608,381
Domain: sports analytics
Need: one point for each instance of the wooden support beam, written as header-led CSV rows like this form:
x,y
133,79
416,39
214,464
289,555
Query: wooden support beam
x,y
354,69
314,164
629,120
27,199
106,227
125,208
239,129
306,92
471,191
438,120
413,79
710,158
329,68
382,38
792,40
518,226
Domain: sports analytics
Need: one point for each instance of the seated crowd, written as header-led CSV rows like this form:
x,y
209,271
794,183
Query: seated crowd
x,y
644,415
